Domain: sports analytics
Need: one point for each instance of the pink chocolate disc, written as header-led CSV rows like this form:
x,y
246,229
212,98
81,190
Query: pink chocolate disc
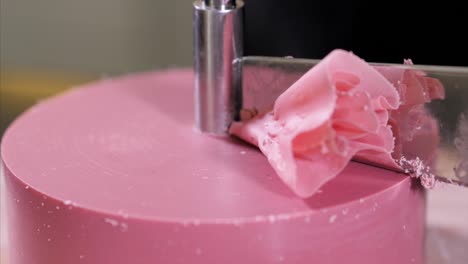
x,y
114,172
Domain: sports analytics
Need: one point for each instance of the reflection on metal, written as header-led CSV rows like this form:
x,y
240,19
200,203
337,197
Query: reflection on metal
x,y
265,78
461,144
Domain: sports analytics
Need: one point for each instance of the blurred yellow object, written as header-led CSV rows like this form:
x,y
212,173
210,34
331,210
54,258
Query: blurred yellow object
x,y
21,89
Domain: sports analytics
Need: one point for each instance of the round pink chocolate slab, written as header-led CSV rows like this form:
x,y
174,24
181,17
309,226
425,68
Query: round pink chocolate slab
x,y
113,172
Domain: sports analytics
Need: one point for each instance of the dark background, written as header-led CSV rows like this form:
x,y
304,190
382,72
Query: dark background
x,y
431,32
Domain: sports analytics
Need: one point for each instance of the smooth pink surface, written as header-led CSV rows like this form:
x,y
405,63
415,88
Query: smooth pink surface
x,y
113,172
341,109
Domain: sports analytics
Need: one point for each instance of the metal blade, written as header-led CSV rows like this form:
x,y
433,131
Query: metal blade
x,y
265,78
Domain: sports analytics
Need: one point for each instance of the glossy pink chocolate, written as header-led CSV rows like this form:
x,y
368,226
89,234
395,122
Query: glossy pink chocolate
x,y
114,172
343,109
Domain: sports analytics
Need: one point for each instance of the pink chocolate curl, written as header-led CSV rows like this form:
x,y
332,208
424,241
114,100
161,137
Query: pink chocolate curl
x,y
341,109
338,109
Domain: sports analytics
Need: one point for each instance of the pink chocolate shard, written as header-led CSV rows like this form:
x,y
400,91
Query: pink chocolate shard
x,y
341,109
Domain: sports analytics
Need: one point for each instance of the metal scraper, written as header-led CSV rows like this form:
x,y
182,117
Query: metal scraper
x,y
226,82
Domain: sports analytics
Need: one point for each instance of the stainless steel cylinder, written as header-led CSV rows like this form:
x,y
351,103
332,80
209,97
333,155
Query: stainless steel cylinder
x,y
217,44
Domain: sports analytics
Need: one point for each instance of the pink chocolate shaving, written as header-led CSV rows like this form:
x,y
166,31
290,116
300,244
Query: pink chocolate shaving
x,y
339,110
418,170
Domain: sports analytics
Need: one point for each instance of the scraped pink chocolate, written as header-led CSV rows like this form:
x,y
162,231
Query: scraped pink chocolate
x,y
341,109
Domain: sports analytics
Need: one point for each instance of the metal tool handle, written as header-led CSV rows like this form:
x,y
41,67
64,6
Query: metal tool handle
x,y
217,44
